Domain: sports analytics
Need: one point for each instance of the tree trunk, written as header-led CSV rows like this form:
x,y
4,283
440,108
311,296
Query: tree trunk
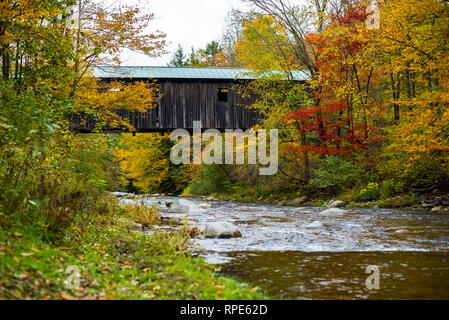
x,y
6,62
396,91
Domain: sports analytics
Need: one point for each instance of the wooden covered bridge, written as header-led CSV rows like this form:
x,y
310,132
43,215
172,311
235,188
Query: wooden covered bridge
x,y
188,94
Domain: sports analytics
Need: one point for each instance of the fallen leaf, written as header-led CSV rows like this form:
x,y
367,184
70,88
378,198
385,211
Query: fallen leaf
x,y
21,276
17,293
26,254
66,296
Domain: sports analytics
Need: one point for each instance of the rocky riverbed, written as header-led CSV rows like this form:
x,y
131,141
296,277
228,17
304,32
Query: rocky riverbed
x,y
317,252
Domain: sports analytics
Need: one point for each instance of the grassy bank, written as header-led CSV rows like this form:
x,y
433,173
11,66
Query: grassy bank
x,y
114,262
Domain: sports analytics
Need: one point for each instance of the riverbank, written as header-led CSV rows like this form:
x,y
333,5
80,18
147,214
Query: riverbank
x,y
105,256
434,201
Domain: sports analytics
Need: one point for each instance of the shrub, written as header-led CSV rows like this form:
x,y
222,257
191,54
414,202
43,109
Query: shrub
x,y
210,179
370,193
399,201
334,174
426,173
141,214
390,188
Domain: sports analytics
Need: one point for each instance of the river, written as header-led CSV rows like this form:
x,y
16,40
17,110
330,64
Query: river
x,y
308,253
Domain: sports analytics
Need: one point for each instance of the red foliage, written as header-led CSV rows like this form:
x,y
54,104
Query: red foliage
x,y
329,126
352,15
327,123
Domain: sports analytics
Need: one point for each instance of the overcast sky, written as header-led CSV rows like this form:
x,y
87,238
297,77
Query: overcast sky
x,y
187,22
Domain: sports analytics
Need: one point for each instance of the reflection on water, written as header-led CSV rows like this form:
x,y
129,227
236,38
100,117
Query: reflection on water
x,y
305,253
342,275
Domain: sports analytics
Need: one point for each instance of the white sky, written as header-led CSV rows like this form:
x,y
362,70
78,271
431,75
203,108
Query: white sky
x,y
189,23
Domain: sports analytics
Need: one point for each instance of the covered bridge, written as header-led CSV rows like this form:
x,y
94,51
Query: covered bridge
x,y
187,94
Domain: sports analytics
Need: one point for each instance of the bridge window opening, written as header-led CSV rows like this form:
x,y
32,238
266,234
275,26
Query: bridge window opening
x,y
222,94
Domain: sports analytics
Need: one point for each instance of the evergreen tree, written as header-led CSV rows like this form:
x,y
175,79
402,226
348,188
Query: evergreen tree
x,y
178,59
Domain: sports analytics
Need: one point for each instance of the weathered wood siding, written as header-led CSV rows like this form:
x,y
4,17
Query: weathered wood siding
x,y
183,102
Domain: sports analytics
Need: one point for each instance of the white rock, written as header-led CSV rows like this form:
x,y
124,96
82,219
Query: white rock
x,y
222,229
402,231
204,205
332,212
337,204
315,224
176,207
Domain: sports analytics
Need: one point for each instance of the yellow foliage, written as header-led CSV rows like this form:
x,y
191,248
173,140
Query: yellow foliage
x,y
103,98
264,45
144,160
413,37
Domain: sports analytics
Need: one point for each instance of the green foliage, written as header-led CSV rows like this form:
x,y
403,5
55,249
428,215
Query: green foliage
x,y
113,263
179,58
401,201
390,188
27,136
209,179
47,176
369,193
333,173
426,173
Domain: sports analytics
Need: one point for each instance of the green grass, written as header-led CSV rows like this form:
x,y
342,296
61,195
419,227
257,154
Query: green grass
x,y
114,263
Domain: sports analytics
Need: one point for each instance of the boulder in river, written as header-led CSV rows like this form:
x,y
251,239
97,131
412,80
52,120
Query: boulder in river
x,y
332,212
222,229
337,204
297,201
204,205
437,209
176,207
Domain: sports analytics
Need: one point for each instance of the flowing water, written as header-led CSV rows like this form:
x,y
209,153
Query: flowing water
x,y
309,253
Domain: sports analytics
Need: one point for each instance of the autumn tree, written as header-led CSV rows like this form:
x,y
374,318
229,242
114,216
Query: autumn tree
x,y
344,84
413,42
99,36
47,60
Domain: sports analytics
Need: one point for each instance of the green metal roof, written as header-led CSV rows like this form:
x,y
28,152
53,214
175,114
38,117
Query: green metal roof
x,y
182,73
